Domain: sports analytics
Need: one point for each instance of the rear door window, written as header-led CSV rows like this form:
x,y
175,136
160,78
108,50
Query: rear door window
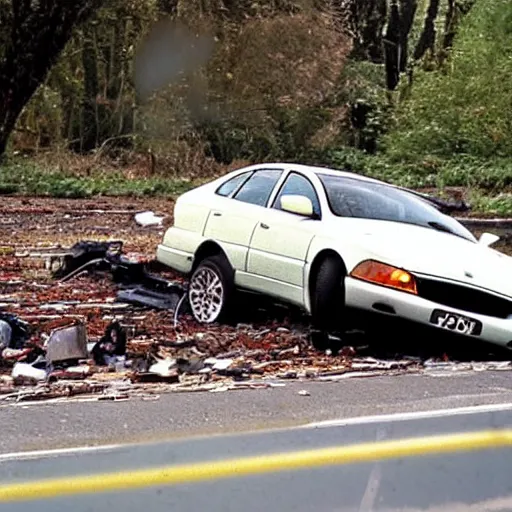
x,y
230,186
259,187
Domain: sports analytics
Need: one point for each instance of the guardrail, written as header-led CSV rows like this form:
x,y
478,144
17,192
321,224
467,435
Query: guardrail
x,y
299,460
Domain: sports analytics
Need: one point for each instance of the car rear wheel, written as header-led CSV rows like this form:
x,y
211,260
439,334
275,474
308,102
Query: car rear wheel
x,y
328,300
211,289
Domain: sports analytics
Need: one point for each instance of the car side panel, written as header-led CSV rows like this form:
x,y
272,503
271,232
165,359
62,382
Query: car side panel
x,y
236,254
277,254
181,241
179,248
229,226
190,216
277,289
231,223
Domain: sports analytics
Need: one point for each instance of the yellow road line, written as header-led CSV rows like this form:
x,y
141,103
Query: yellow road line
x,y
203,471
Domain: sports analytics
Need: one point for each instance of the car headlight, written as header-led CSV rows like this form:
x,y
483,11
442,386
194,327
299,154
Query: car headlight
x,y
385,275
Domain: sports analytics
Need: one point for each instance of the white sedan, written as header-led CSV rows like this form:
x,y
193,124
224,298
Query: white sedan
x,y
332,242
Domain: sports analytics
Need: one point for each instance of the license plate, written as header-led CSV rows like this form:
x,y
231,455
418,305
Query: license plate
x,y
457,323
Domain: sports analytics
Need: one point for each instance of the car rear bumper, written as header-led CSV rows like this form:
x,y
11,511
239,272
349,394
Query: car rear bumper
x,y
396,304
175,259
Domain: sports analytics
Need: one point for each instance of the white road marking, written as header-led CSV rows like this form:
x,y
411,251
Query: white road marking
x,y
57,452
384,418
372,487
408,416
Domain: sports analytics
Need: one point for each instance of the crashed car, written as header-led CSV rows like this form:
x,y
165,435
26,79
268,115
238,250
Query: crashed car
x,y
334,242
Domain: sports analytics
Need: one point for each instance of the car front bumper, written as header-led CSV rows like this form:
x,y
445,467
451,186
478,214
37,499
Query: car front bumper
x,y
365,296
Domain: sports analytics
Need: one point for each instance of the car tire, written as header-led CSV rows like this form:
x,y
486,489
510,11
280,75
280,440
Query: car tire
x,y
328,301
211,290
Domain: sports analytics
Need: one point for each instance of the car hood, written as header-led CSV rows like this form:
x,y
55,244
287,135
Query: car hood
x,y
427,251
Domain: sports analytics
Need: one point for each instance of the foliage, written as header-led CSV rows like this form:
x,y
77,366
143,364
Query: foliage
x,y
491,175
31,43
267,85
362,86
500,205
484,180
464,107
379,87
27,179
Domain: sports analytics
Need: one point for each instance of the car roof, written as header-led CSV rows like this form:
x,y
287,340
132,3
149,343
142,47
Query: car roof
x,y
327,171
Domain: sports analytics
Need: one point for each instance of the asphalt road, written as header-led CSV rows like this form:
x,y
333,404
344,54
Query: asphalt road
x,y
441,483
47,426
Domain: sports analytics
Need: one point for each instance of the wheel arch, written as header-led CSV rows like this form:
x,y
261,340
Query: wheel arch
x,y
320,257
207,249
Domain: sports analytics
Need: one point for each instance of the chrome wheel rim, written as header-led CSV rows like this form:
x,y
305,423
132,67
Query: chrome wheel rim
x,y
206,295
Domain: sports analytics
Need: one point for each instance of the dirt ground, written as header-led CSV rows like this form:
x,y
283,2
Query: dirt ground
x,y
268,343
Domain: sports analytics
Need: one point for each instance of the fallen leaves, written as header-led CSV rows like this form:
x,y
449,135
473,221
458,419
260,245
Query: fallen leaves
x,y
218,358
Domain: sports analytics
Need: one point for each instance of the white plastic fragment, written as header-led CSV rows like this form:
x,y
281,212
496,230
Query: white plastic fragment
x,y
27,370
148,218
163,367
222,364
80,370
218,364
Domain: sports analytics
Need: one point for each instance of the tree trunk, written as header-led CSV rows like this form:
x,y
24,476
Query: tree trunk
x,y
428,36
39,32
91,90
115,76
168,6
367,19
392,41
407,13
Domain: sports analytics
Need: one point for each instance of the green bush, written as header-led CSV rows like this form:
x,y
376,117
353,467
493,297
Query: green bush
x,y
464,107
491,175
27,179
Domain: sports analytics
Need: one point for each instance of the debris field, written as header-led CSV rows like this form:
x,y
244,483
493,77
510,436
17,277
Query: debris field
x,y
56,329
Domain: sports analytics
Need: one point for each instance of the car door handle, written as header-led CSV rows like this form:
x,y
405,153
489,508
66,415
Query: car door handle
x,y
217,214
264,226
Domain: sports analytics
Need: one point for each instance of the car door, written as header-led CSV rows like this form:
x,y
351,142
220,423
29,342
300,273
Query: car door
x,y
280,243
236,208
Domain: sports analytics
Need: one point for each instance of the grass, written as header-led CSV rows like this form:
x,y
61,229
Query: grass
x,y
499,206
484,181
28,179
489,175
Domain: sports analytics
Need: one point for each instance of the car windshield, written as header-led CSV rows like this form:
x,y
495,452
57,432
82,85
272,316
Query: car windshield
x,y
352,197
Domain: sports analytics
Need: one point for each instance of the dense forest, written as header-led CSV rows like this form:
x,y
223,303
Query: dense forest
x,y
413,91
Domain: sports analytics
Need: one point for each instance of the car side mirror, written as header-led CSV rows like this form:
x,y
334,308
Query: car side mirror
x,y
301,205
488,239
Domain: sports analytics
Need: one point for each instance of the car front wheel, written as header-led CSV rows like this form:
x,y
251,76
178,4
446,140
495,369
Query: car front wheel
x,y
328,302
210,290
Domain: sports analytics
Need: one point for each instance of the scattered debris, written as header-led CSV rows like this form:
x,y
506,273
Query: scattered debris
x,y
445,206
106,326
13,331
150,298
435,368
148,218
165,368
67,343
82,256
30,371
111,348
5,334
218,364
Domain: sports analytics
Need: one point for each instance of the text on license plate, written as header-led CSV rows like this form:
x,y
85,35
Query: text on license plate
x,y
456,323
